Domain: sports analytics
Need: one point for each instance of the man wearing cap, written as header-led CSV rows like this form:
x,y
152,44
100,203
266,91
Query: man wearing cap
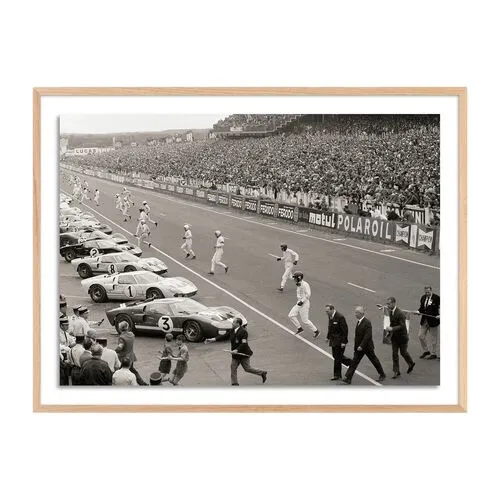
x,y
95,371
126,349
66,341
82,323
86,354
74,359
73,318
108,355
124,376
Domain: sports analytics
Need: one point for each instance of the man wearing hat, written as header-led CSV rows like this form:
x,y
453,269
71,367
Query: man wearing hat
x,y
108,355
155,378
74,356
82,323
74,317
126,349
95,371
66,341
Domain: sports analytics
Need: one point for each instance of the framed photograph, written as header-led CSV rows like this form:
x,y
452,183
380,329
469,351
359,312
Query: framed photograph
x,y
250,250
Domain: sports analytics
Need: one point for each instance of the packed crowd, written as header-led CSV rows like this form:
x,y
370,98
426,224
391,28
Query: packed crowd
x,y
366,159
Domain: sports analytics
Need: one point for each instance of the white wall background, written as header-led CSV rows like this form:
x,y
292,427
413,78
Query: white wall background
x,y
56,43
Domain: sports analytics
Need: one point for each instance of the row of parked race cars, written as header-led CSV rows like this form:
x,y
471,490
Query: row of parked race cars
x,y
113,269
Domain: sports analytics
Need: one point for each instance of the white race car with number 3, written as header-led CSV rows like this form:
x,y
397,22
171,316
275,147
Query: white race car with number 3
x,y
136,285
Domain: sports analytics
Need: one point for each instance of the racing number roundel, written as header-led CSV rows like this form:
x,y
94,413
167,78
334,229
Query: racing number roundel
x,y
165,324
94,252
130,291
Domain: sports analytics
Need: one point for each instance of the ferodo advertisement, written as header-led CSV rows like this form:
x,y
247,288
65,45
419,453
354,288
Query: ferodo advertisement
x,y
223,199
251,204
211,197
287,212
237,201
365,226
267,208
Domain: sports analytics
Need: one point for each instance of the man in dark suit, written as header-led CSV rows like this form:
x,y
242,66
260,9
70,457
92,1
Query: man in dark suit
x,y
429,323
399,337
363,345
240,351
337,339
95,371
125,349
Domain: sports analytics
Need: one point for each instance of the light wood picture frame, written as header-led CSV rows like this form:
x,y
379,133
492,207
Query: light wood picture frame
x,y
460,93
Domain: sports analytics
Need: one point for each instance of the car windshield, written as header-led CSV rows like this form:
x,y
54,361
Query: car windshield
x,y
187,306
145,278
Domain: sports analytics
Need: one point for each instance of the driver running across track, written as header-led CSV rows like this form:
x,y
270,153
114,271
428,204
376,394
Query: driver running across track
x,y
143,234
187,246
290,258
219,251
301,308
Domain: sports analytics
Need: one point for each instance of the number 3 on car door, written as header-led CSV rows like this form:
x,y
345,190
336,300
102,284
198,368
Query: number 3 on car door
x,y
165,324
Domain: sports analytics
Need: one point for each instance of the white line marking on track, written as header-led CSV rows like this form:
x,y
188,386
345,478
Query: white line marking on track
x,y
302,230
271,223
77,296
362,287
241,301
334,241
164,215
388,250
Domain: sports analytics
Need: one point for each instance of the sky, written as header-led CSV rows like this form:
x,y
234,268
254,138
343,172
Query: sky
x,y
105,124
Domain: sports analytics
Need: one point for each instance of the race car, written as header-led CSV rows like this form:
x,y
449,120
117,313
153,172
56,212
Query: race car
x,y
69,218
83,224
176,315
136,285
92,248
112,263
95,234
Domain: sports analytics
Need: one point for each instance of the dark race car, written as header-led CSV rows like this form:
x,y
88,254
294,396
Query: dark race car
x,y
77,237
176,315
91,248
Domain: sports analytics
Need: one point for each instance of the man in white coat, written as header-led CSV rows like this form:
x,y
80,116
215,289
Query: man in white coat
x,y
187,246
301,308
219,250
290,258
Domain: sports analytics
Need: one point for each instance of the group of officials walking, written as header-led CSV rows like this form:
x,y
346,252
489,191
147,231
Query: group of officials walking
x,y
396,333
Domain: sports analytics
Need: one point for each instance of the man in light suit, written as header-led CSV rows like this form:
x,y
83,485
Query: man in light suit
x,y
337,339
429,323
363,345
399,337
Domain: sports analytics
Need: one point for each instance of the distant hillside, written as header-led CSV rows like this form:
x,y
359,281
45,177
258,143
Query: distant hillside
x,y
106,140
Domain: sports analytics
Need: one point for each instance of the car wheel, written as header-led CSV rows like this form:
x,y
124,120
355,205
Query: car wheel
x,y
124,317
154,293
69,255
192,331
84,271
129,269
97,293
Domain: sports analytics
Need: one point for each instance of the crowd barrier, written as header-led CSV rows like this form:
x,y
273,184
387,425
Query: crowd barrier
x,y
412,235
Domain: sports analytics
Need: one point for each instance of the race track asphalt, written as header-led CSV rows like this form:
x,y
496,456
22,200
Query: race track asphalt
x,y
334,266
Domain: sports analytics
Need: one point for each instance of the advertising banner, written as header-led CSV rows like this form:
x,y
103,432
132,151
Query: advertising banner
x,y
212,197
413,236
323,219
201,194
288,212
223,199
189,191
425,238
163,186
267,208
237,201
171,188
179,189
251,204
403,233
365,227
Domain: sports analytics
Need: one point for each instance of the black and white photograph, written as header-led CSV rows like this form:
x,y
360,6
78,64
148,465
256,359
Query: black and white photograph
x,y
256,250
